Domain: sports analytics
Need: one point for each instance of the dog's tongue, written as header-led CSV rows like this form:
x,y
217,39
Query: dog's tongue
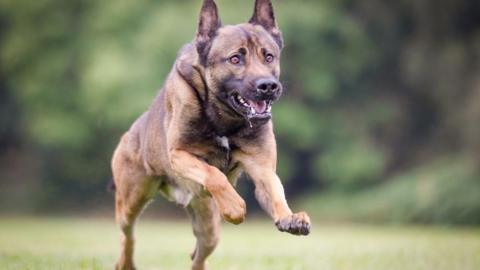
x,y
258,106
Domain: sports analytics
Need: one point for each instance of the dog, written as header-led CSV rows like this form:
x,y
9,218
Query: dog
x,y
210,123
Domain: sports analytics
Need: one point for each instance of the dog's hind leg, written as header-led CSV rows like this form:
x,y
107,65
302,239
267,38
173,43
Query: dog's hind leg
x,y
128,209
134,190
206,228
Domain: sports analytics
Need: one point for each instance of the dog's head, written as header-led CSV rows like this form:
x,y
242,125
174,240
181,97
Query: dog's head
x,y
241,62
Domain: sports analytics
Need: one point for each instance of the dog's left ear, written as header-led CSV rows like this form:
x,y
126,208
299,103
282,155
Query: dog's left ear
x,y
208,24
263,15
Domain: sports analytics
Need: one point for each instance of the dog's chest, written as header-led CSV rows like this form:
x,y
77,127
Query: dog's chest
x,y
223,143
220,154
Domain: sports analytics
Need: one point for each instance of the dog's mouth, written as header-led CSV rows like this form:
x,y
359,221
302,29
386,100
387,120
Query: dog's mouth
x,y
251,109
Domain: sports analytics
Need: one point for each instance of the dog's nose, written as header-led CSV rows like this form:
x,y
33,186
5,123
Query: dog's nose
x,y
268,86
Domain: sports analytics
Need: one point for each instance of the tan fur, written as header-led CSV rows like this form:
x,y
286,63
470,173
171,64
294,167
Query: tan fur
x,y
184,148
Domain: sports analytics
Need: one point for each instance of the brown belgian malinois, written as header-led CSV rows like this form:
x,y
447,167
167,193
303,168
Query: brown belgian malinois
x,y
209,123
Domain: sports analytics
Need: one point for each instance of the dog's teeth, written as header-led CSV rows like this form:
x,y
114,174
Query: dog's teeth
x,y
269,109
252,111
243,102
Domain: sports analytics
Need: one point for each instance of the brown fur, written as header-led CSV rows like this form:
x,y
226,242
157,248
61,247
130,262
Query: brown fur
x,y
192,145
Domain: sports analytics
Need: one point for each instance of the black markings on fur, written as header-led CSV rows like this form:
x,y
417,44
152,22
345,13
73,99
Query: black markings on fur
x,y
205,86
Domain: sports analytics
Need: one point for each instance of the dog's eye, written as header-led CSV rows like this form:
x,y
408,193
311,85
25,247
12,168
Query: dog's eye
x,y
235,59
269,58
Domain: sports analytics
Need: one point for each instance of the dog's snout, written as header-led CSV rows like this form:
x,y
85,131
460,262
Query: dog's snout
x,y
268,86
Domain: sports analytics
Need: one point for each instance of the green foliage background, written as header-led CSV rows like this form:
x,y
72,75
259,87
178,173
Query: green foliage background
x,y
380,120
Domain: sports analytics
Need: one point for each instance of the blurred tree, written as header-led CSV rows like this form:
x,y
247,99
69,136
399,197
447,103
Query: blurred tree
x,y
377,95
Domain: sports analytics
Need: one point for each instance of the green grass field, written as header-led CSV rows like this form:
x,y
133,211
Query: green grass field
x,y
93,244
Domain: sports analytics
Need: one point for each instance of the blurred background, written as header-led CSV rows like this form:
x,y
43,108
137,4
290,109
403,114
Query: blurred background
x,y
380,121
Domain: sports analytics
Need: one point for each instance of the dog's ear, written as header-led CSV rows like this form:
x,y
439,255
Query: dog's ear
x,y
263,15
208,24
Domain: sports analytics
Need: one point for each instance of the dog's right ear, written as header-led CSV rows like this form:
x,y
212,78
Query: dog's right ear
x,y
208,24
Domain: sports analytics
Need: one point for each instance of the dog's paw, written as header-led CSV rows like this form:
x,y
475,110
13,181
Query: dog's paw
x,y
231,206
233,210
203,266
297,224
124,267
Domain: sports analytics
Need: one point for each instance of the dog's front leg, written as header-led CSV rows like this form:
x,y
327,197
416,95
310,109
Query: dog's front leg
x,y
259,162
269,192
231,206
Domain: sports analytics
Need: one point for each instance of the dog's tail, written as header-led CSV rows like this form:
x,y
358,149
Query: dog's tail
x,y
111,186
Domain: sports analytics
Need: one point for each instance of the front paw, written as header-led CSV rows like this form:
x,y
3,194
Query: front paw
x,y
231,206
232,209
297,224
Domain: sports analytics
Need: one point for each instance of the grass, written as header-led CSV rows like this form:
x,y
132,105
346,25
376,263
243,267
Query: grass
x,y
62,243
